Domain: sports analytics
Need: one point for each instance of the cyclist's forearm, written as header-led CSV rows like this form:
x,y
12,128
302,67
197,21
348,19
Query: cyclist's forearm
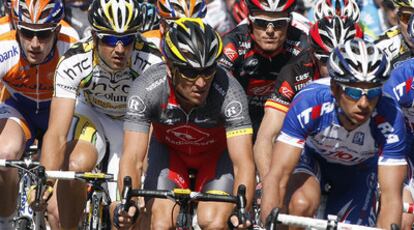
x,y
271,194
132,169
262,156
53,151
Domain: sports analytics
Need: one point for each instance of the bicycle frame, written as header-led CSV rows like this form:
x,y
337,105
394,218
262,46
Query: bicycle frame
x,y
30,173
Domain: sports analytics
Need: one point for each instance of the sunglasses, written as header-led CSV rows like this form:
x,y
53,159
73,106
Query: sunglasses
x,y
404,16
278,23
113,40
193,74
41,33
356,93
323,58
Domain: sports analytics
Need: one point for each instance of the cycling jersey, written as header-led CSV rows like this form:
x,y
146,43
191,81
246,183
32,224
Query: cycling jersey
x,y
255,70
194,135
312,120
6,26
193,140
400,87
29,87
82,70
392,43
300,71
345,160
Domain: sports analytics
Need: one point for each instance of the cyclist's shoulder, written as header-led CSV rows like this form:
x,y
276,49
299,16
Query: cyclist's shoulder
x,y
389,37
316,93
152,82
240,33
68,29
9,49
80,48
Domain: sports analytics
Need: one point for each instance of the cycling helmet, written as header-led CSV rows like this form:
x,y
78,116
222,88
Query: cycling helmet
x,y
344,8
273,6
115,16
38,11
403,3
150,17
329,32
410,28
239,11
358,61
191,43
174,9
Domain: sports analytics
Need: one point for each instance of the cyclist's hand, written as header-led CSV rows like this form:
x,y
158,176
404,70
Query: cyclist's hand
x,y
234,221
123,219
41,204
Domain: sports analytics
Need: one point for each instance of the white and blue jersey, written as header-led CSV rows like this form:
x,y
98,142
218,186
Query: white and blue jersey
x,y
400,87
346,160
313,118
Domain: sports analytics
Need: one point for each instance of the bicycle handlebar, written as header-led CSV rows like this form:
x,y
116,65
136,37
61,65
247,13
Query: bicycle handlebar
x,y
276,218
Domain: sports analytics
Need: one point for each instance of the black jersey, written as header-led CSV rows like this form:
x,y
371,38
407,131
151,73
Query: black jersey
x,y
255,70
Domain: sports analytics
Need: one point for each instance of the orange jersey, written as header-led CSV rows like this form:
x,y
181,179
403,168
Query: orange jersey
x,y
28,84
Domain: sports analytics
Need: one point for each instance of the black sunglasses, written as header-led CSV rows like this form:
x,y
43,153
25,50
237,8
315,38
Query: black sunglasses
x,y
41,34
278,23
192,74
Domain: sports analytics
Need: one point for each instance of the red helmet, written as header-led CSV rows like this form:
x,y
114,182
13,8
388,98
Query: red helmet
x,y
239,11
330,32
273,6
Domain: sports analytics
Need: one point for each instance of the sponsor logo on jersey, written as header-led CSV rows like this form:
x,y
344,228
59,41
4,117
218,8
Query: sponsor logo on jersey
x,y
386,128
77,68
358,138
233,109
315,112
136,105
9,54
183,135
260,87
286,90
402,88
230,52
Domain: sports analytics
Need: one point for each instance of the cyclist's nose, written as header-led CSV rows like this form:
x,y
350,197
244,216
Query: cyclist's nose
x,y
119,47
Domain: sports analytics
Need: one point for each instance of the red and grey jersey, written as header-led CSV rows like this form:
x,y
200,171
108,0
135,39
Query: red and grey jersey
x,y
255,70
204,129
299,72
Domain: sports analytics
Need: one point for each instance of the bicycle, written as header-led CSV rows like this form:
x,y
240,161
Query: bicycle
x,y
276,218
96,213
185,198
30,173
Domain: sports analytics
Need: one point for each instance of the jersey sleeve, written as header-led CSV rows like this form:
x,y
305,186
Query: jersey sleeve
x,y
73,68
230,55
142,101
235,110
390,132
400,85
284,92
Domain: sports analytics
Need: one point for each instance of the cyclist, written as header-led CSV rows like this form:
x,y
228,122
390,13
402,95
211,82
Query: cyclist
x,y
7,21
310,64
170,10
255,51
395,42
200,121
91,85
399,86
347,130
29,56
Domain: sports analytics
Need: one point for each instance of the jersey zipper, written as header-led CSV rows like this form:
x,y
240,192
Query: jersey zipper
x,y
37,89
